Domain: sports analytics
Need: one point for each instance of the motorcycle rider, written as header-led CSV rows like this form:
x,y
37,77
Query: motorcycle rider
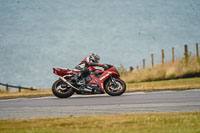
x,y
92,60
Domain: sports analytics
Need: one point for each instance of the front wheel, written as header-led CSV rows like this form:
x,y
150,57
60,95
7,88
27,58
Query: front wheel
x,y
61,90
115,88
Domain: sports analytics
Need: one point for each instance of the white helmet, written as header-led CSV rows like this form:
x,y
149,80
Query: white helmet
x,y
94,58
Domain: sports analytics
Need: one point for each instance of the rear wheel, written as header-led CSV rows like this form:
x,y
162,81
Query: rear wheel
x,y
62,90
115,88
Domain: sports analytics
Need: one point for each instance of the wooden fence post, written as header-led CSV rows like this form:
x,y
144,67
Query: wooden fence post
x,y
197,49
20,88
186,51
173,54
152,60
131,69
137,68
7,88
163,56
186,54
143,63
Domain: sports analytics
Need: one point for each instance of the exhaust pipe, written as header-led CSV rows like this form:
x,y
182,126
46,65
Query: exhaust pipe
x,y
63,79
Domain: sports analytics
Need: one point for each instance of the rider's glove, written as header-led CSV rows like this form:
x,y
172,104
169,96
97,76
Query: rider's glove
x,y
104,66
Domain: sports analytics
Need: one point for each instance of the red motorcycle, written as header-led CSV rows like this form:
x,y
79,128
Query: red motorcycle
x,y
95,81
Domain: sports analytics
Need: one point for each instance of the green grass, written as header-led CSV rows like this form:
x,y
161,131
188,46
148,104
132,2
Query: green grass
x,y
124,123
24,94
176,84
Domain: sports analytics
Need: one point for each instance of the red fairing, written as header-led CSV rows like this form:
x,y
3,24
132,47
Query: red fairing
x,y
105,75
94,80
114,71
84,60
91,68
62,71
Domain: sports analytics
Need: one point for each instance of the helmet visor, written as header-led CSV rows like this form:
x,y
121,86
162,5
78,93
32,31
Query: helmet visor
x,y
97,60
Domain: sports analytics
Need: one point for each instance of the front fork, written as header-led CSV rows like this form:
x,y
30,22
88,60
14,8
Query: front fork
x,y
113,81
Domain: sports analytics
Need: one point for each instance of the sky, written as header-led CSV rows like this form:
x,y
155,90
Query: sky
x,y
37,35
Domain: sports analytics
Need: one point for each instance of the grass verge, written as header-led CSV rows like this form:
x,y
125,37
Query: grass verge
x,y
170,70
124,123
176,84
24,94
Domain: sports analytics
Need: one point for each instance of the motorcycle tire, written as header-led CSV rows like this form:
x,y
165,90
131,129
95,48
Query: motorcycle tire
x,y
61,93
114,92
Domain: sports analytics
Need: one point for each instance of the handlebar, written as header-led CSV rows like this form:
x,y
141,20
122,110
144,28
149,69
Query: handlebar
x,y
108,66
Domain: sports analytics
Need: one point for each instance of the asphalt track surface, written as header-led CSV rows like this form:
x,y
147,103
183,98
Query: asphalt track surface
x,y
139,102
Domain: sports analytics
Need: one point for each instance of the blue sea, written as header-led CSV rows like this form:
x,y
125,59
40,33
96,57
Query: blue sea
x,y
37,35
